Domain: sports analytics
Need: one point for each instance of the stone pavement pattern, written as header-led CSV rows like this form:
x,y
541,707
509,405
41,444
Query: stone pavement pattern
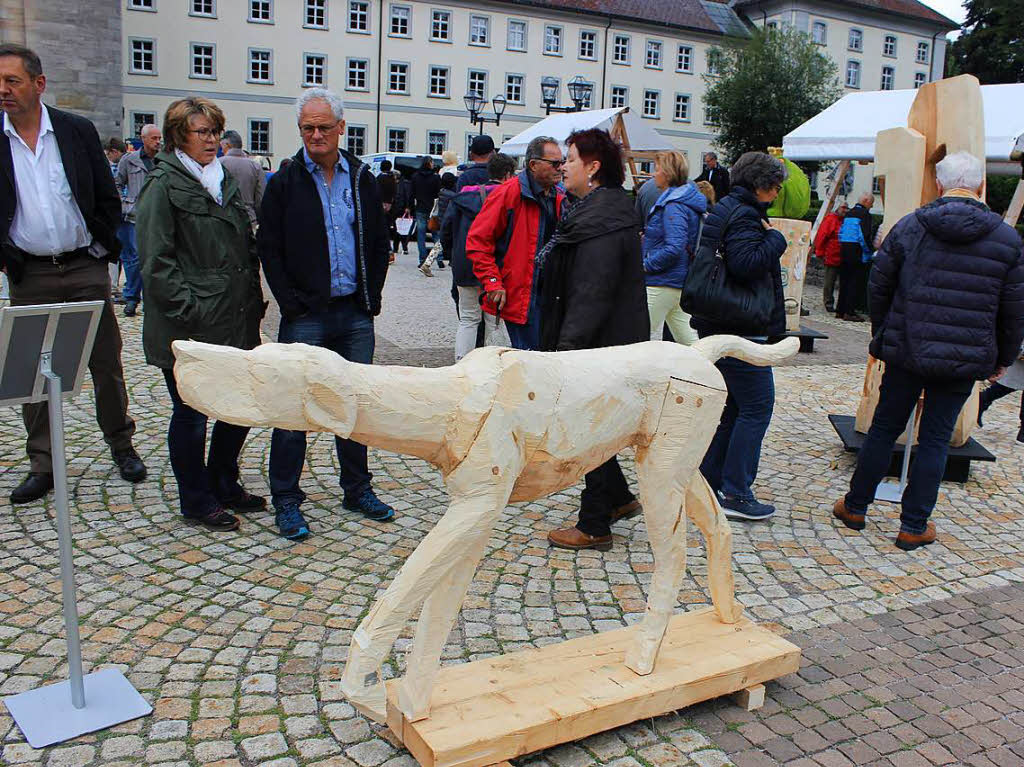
x,y
239,639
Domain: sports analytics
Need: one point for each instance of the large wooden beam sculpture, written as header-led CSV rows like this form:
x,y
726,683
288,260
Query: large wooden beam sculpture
x,y
502,425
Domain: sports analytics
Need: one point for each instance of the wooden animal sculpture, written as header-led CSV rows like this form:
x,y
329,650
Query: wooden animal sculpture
x,y
502,425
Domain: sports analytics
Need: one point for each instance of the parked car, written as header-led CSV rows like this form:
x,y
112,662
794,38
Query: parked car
x,y
402,161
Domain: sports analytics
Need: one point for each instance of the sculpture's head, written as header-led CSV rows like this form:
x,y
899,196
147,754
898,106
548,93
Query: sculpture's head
x,y
288,386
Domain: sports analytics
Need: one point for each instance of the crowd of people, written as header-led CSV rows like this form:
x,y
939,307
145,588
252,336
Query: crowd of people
x,y
559,252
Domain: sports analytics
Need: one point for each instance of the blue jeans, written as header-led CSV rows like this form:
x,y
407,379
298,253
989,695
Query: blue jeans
x,y
730,465
421,234
346,330
897,397
201,486
130,262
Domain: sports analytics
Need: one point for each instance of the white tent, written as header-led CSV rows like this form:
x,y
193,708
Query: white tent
x,y
641,137
847,129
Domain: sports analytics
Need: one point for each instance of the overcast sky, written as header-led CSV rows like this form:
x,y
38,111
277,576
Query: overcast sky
x,y
954,9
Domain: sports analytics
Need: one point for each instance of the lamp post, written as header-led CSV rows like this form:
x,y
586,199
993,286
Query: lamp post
x,y
579,93
476,104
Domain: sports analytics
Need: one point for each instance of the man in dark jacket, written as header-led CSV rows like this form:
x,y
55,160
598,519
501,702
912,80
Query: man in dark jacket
x,y
474,173
715,175
323,242
59,214
425,186
947,309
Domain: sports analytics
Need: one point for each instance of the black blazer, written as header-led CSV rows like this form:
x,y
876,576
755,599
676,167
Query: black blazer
x,y
89,177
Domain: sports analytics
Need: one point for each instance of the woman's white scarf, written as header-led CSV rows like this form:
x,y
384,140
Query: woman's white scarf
x,y
211,176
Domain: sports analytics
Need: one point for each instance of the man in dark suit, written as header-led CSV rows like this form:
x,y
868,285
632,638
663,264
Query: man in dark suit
x,y
59,213
715,175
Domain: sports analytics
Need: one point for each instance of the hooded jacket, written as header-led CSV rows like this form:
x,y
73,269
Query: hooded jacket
x,y
826,242
947,292
462,211
426,185
592,284
670,238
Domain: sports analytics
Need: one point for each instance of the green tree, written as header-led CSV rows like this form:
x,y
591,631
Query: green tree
x,y
765,86
992,46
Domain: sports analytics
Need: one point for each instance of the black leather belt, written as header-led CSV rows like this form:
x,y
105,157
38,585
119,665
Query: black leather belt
x,y
61,258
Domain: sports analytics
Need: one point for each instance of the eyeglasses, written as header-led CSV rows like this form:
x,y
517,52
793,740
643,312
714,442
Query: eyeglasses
x,y
310,130
556,164
205,133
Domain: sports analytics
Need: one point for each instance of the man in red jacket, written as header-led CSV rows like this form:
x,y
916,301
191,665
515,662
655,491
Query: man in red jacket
x,y
516,221
826,247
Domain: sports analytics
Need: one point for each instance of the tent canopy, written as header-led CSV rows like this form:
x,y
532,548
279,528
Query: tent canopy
x,y
847,129
642,138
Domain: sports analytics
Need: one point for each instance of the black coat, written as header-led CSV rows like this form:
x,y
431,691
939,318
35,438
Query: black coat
x,y
592,291
750,251
719,180
292,240
425,186
947,292
89,177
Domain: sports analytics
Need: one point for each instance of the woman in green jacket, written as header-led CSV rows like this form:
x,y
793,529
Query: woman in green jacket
x,y
201,280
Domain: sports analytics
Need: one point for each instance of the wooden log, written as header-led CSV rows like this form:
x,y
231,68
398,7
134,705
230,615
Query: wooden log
x,y
750,698
1016,205
794,265
900,161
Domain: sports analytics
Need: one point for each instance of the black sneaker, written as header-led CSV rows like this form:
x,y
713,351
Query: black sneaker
x,y
217,520
244,501
739,508
36,485
370,506
290,522
131,466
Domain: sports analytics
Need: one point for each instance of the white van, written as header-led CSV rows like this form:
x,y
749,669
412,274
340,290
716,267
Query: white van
x,y
399,161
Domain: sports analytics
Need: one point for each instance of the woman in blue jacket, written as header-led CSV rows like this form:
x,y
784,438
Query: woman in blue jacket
x,y
669,242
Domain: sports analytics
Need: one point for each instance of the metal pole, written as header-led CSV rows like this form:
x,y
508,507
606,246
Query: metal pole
x,y
67,566
911,424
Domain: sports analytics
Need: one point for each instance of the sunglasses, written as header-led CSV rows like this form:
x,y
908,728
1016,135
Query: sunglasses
x,y
556,164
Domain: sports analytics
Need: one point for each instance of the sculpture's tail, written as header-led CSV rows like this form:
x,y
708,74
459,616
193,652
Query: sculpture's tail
x,y
714,348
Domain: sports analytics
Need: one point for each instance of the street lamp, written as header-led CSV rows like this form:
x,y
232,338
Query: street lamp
x,y
476,104
579,92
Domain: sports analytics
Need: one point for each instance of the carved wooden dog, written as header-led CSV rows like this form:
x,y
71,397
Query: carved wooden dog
x,y
502,425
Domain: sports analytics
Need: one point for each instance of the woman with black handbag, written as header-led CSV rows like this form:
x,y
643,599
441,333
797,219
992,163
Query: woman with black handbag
x,y
735,287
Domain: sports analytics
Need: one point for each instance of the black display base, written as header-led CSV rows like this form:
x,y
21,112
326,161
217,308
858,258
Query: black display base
x,y
958,461
807,337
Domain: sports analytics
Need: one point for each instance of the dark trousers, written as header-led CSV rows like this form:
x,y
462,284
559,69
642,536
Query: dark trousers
x,y
346,330
422,217
994,392
130,262
731,462
202,485
80,279
605,491
829,294
849,276
898,395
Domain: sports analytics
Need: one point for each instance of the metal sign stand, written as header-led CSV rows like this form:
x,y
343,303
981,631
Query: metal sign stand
x,y
893,491
82,704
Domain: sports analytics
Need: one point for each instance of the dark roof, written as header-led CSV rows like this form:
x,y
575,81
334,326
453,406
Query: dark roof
x,y
687,14
908,8
726,18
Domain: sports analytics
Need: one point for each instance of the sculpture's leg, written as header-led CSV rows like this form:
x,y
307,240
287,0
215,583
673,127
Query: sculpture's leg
x,y
480,488
665,469
703,508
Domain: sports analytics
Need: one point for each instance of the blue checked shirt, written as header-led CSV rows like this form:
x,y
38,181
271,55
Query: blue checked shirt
x,y
339,220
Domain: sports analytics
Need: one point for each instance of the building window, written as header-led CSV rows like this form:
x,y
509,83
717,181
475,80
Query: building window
x,y
819,33
259,136
260,66
889,46
888,75
876,185
355,139
620,96
713,62
856,40
401,21
203,60
588,44
437,141
358,16
398,77
143,60
439,82
682,112
923,49
261,11
202,8
141,5
552,40
314,69
852,74
479,30
514,89
358,71
142,118
477,83
652,58
397,139
920,78
652,103
441,26
516,35
316,14
620,50
708,119
684,59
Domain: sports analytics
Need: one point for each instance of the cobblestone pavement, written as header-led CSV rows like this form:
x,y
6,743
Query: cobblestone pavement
x,y
239,639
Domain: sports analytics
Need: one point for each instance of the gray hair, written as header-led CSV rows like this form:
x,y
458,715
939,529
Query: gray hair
x,y
232,138
535,149
757,170
960,170
334,101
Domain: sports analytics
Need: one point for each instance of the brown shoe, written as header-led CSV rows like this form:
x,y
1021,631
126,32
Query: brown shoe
x,y
575,539
848,518
910,541
628,511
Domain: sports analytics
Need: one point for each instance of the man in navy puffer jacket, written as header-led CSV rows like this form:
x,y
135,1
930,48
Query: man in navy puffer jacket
x,y
947,309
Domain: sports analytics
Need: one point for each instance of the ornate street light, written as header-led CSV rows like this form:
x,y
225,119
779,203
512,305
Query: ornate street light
x,y
477,104
579,93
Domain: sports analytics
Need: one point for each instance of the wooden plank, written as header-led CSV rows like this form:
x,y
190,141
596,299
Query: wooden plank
x,y
900,160
750,698
539,698
830,201
1016,205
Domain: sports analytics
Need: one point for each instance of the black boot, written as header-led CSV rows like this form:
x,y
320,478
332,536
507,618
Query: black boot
x,y
36,485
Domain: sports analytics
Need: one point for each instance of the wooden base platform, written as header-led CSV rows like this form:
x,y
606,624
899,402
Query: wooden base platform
x,y
958,461
496,709
807,337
